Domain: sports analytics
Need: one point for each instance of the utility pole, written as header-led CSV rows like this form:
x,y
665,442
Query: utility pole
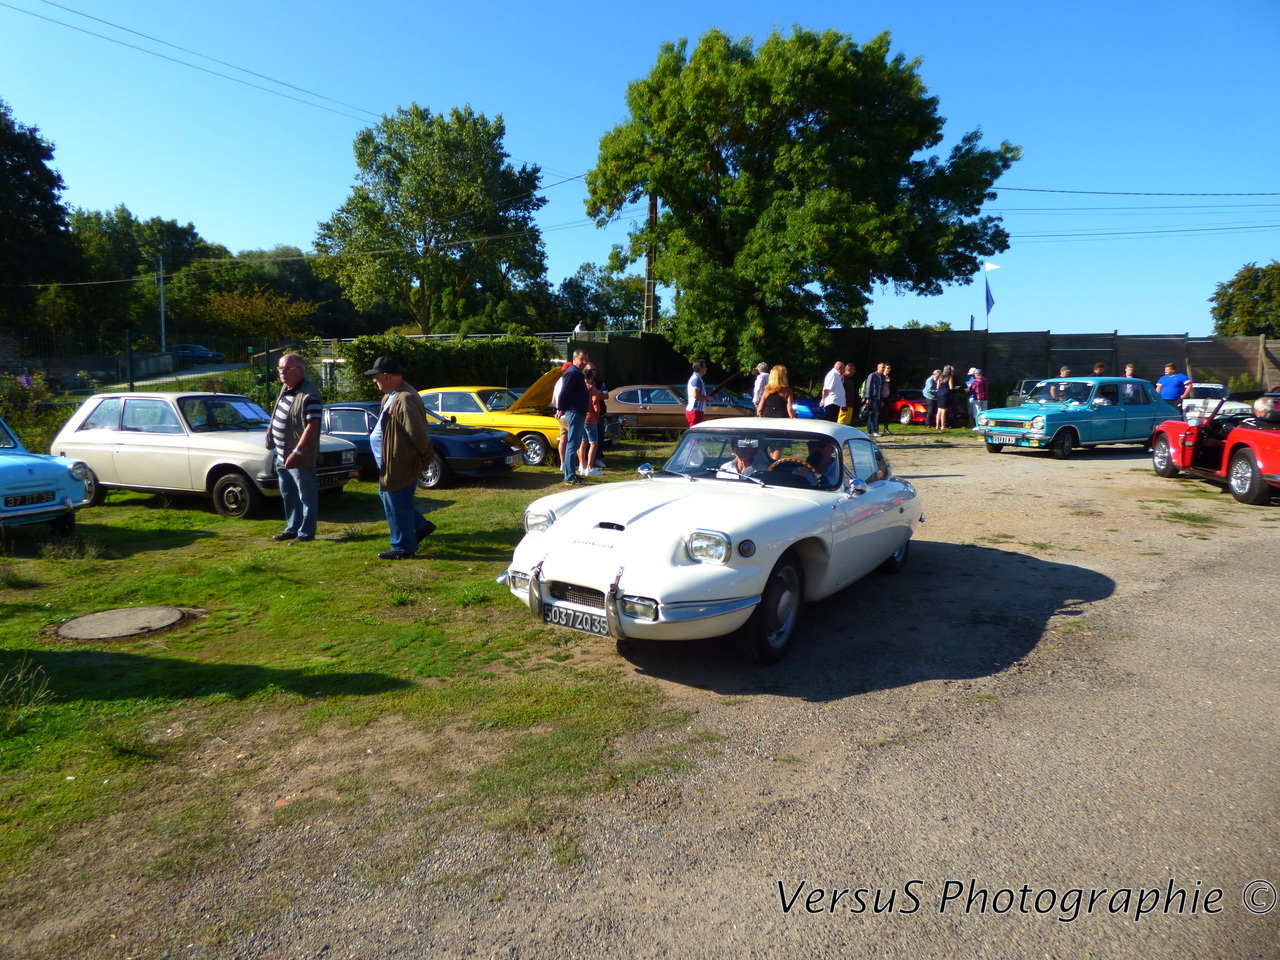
x,y
650,285
160,280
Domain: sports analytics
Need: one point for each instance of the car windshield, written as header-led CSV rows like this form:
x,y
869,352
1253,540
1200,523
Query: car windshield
x,y
495,400
1207,391
785,459
7,442
223,412
1060,391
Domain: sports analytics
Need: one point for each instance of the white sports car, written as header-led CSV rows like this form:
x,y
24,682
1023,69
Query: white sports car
x,y
748,518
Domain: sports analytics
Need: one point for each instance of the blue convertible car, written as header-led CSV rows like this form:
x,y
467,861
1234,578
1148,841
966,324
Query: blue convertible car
x,y
38,488
1069,412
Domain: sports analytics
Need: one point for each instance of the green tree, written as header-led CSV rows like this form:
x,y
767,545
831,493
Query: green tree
x,y
601,298
792,181
1248,305
438,223
34,238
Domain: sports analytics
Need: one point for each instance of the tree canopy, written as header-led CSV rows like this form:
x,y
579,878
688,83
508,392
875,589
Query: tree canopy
x,y
1248,305
439,223
34,239
792,181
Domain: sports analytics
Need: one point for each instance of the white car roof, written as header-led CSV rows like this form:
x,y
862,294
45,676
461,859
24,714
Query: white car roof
x,y
838,432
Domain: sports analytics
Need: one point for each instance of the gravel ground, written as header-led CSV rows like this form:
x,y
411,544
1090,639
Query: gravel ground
x,y
1052,736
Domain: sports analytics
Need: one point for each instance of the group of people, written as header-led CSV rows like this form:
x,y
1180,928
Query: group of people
x,y
580,406
400,442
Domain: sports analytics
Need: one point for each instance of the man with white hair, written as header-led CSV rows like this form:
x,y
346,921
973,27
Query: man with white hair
x,y
762,381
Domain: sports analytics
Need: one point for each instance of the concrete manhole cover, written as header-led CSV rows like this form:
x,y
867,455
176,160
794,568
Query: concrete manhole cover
x,y
113,624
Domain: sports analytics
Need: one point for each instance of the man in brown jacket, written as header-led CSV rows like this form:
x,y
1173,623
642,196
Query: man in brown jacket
x,y
402,450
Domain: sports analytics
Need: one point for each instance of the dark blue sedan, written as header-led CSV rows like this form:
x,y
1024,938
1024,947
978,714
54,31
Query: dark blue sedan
x,y
465,451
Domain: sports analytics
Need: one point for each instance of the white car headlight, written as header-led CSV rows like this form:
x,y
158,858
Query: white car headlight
x,y
708,546
538,520
1037,423
982,419
78,471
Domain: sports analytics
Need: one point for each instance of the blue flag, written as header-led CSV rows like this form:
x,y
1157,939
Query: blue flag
x,y
991,301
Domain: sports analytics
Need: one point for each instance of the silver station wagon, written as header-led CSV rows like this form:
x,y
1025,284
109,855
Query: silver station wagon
x,y
200,443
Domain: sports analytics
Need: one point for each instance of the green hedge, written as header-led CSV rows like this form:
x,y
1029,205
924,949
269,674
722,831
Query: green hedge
x,y
500,362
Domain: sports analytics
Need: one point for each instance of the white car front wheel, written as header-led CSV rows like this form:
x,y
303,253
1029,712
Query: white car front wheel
x,y
766,637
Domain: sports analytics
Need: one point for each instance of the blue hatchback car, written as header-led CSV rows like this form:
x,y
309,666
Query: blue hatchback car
x,y
1068,412
38,488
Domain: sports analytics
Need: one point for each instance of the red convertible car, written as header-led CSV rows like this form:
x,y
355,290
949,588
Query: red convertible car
x,y
1241,449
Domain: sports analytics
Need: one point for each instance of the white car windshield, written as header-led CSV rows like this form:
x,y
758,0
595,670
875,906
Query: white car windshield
x,y
784,459
223,412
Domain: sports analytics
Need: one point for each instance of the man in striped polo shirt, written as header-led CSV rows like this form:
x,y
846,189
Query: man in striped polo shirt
x,y
295,437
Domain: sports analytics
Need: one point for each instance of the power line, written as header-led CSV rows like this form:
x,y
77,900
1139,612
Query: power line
x,y
1122,193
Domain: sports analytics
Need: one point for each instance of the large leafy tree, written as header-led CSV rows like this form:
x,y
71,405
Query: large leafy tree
x,y
601,299
793,180
1248,305
439,223
34,238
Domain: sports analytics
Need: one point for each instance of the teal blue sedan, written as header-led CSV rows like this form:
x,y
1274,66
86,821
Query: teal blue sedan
x,y
37,488
1063,414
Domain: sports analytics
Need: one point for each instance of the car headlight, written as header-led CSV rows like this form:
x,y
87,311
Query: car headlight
x,y
78,471
708,546
1037,423
982,419
642,608
536,521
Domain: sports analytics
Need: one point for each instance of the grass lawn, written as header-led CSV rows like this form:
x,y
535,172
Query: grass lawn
x,y
312,680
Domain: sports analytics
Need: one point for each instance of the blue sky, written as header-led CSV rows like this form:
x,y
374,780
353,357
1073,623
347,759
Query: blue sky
x,y
1106,99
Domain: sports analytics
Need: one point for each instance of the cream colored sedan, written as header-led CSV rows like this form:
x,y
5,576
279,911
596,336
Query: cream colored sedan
x,y
204,443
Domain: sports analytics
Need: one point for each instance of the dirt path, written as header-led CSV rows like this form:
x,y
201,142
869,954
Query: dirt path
x,y
1054,735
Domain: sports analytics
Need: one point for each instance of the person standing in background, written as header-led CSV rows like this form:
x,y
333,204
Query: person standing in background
x,y
695,408
833,392
762,381
295,437
850,395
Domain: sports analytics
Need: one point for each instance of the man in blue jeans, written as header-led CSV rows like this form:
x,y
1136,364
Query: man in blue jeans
x,y
571,407
402,448
295,437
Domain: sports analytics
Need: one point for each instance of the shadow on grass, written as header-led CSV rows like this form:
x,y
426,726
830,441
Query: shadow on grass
x,y
95,675
957,612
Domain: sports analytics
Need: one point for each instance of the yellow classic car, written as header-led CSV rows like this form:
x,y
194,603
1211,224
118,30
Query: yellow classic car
x,y
526,415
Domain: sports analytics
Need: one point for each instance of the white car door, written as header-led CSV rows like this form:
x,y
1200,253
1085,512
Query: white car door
x,y
867,527
152,449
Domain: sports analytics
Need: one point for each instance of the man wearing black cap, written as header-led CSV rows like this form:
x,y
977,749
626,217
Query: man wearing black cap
x,y
402,450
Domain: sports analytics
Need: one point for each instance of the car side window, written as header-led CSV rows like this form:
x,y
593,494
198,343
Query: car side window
x,y
348,421
1108,395
431,401
627,396
862,457
1136,393
150,416
883,470
458,403
105,417
661,396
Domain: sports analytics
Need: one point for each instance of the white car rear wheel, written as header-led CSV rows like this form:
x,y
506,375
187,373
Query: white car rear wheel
x,y
766,637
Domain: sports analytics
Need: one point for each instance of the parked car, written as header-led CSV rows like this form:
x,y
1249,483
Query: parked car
x,y
1204,397
1241,450
525,413
200,443
1021,390
696,550
194,353
909,406
1064,413
806,405
456,450
659,407
38,488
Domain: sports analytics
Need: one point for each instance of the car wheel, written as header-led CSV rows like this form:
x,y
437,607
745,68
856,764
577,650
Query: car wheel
x,y
94,491
1162,458
1246,481
235,496
994,447
437,473
906,416
897,560
767,635
63,526
1063,444
536,449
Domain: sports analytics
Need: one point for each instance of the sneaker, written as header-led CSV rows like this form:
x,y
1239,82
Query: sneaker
x,y
395,555
426,530
285,535
301,540
594,472
575,479
600,464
